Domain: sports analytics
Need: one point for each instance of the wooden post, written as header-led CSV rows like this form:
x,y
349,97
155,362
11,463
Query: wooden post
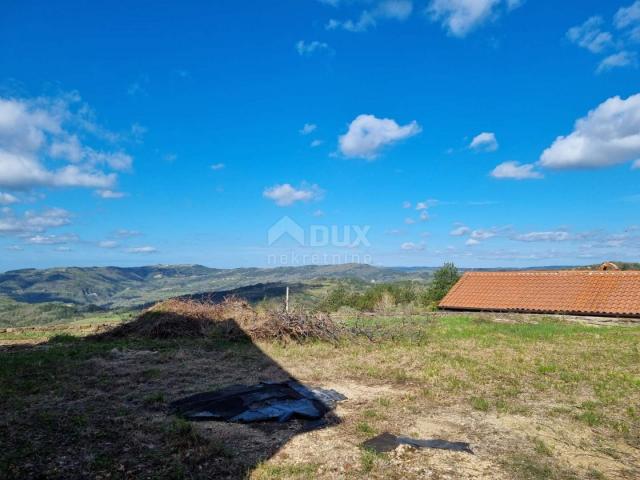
x,y
286,301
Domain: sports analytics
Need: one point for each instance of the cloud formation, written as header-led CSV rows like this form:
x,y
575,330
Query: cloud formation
x,y
306,49
594,36
142,250
590,35
516,171
111,194
308,128
108,244
383,10
608,135
617,60
461,17
31,222
368,135
484,142
628,16
551,236
411,246
7,199
51,239
285,194
460,231
37,133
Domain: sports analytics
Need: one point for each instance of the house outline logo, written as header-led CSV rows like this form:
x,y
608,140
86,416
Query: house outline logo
x,y
285,226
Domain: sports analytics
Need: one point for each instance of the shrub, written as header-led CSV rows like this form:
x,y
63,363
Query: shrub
x,y
443,279
380,297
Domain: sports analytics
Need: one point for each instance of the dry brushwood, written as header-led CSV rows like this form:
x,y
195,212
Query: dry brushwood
x,y
232,318
296,327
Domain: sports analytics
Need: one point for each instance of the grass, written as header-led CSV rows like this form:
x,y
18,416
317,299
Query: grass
x,y
302,471
533,396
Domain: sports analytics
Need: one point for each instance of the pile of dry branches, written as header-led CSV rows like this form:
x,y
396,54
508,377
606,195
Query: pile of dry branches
x,y
297,327
232,318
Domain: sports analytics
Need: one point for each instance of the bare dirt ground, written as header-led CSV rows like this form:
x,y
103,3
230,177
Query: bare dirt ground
x,y
535,400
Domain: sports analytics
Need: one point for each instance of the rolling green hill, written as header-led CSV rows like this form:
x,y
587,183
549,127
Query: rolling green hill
x,y
115,287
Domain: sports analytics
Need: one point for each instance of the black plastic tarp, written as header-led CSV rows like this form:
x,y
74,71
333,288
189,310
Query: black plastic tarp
x,y
386,442
265,401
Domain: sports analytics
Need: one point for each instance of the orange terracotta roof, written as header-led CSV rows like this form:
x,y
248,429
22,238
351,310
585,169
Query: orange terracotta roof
x,y
575,292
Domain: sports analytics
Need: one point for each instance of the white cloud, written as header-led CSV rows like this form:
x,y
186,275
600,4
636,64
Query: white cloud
x,y
398,10
142,250
608,135
368,135
119,161
589,35
424,216
460,17
285,195
316,143
305,49
137,132
308,128
409,221
406,204
627,16
412,246
32,222
617,60
482,234
110,194
69,148
421,206
318,213
51,239
551,236
124,233
108,244
484,142
394,9
515,170
217,166
7,199
471,242
34,132
460,231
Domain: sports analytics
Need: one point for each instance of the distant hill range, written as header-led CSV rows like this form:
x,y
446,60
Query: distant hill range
x,y
115,287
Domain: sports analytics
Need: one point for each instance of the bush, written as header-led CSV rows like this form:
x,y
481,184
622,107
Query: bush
x,y
379,297
443,279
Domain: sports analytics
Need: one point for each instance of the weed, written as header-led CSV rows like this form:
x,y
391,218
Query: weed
x,y
541,448
479,403
368,459
266,471
365,429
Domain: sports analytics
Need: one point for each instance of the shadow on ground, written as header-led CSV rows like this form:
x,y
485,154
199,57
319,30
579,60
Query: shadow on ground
x,y
98,408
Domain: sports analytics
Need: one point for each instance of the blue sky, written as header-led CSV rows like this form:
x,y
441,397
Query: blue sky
x,y
483,132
